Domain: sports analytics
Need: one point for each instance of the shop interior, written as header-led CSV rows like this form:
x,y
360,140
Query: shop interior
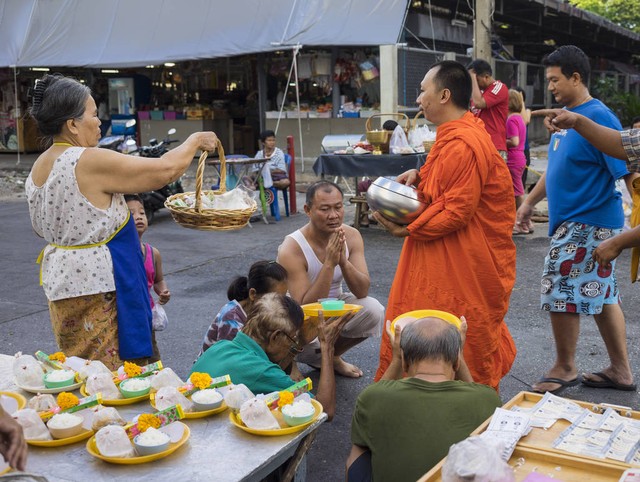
x,y
232,96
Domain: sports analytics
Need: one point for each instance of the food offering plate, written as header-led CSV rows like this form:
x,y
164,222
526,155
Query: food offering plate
x,y
408,318
62,441
284,430
93,450
200,414
118,401
68,388
312,310
17,401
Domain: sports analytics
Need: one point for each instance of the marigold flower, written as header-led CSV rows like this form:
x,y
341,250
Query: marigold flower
x,y
286,398
147,420
67,400
200,380
131,369
58,356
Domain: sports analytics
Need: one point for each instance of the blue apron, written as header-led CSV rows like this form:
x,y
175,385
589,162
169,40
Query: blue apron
x,y
132,294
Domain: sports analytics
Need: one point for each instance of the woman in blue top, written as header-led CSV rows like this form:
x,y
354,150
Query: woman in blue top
x,y
264,277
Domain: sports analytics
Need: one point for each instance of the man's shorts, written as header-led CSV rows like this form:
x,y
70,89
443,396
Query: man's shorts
x,y
572,282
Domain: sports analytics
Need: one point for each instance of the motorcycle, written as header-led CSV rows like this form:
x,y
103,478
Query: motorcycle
x,y
154,200
121,143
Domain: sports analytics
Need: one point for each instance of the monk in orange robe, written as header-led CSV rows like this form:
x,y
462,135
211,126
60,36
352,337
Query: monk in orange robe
x,y
458,255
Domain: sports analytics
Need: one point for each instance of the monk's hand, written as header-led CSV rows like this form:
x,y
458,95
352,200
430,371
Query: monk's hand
x,y
523,216
606,252
394,336
395,229
557,119
409,178
335,247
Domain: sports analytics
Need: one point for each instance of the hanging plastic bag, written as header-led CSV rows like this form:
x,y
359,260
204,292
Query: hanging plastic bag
x,y
398,143
159,320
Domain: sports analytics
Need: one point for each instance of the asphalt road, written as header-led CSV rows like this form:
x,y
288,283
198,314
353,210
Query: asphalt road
x,y
199,265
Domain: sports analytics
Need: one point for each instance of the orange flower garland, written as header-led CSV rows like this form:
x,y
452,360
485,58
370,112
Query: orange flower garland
x,y
200,380
147,420
131,369
286,398
58,356
67,400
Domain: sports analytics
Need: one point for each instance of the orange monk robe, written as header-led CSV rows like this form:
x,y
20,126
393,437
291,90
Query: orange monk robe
x,y
459,256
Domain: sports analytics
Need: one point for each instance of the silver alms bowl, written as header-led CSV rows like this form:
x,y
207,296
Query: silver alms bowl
x,y
397,202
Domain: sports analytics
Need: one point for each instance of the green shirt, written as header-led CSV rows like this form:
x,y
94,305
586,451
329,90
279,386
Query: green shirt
x,y
409,425
245,362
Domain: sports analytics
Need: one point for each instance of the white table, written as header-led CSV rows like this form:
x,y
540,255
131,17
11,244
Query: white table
x,y
216,450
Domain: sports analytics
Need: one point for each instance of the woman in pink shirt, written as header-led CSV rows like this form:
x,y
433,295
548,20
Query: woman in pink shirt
x,y
516,160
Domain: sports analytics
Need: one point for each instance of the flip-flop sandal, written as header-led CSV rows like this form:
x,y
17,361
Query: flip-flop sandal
x,y
564,384
607,382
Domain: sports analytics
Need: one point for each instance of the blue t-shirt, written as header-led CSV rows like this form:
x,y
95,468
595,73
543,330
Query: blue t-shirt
x,y
580,179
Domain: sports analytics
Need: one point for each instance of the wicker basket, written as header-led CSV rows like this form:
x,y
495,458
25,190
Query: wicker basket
x,y
207,219
385,147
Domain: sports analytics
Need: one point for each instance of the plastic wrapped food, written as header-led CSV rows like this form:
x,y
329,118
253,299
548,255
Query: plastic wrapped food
x,y
478,459
42,402
28,371
236,395
168,396
91,368
32,425
106,416
112,441
255,414
103,383
165,378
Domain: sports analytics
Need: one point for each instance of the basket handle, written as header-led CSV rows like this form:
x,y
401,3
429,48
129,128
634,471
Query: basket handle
x,y
200,173
405,117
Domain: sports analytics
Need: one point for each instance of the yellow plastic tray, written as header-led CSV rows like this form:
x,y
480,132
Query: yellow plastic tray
x,y
16,396
119,401
417,314
285,430
313,309
201,414
93,450
62,441
68,388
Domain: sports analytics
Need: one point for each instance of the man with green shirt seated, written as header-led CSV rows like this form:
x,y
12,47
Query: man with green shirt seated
x,y
406,426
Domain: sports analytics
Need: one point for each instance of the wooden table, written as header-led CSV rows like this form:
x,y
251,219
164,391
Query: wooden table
x,y
216,450
536,454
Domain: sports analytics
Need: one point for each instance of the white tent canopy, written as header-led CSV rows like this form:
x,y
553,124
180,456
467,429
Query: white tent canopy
x,y
107,33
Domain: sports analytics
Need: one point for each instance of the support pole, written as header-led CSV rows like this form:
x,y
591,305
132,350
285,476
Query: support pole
x,y
17,112
482,30
293,204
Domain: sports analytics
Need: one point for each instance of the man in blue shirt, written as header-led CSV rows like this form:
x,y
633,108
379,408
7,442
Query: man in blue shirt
x,y
585,208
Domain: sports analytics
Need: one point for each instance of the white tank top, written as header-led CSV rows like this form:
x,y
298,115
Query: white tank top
x,y
314,265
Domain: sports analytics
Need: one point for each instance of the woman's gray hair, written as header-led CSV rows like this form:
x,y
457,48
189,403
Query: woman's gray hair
x,y
56,99
419,344
270,313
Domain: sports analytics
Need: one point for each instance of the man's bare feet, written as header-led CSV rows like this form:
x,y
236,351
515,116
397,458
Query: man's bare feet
x,y
295,374
345,369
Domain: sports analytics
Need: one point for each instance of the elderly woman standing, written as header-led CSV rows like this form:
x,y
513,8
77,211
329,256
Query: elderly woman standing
x,y
91,269
267,344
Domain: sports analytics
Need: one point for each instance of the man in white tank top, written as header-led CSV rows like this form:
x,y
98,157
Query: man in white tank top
x,y
318,258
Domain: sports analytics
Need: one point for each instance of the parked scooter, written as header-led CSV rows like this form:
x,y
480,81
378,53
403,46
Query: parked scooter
x,y
154,200
121,143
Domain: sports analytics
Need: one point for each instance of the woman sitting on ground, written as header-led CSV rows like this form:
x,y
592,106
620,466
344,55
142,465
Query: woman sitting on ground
x,y
267,344
264,277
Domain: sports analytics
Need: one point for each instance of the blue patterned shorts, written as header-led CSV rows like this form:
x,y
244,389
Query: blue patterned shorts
x,y
572,282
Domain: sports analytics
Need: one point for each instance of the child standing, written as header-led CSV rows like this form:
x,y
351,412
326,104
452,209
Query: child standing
x,y
152,261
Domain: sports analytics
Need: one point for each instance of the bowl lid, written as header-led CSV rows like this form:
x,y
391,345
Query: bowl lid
x,y
399,188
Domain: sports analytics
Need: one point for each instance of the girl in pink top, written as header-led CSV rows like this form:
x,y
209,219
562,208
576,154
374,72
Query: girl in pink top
x,y
516,160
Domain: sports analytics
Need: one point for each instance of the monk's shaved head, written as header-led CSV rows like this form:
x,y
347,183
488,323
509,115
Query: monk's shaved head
x,y
430,339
